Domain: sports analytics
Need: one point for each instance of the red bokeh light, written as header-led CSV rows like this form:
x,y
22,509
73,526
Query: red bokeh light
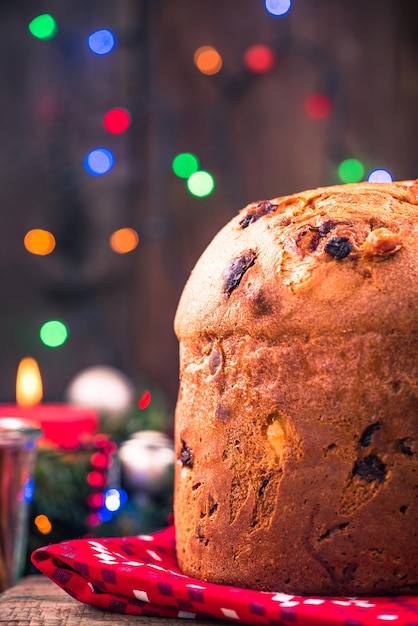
x,y
99,460
96,479
144,400
259,59
100,440
93,519
117,121
96,500
318,105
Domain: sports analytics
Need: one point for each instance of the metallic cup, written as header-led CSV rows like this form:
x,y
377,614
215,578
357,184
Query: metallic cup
x,y
18,440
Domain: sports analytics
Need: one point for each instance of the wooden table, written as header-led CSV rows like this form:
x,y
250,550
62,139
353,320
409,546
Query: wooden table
x,y
36,600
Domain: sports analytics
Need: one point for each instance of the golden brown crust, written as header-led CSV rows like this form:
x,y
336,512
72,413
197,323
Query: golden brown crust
x,y
292,266
296,422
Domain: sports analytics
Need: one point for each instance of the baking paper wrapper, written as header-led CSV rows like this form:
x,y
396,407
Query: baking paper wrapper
x,y
140,576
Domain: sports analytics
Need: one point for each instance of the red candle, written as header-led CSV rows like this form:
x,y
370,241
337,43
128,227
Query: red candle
x,y
62,425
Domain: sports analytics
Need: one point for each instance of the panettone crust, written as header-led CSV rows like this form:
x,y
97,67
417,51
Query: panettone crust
x,y
297,417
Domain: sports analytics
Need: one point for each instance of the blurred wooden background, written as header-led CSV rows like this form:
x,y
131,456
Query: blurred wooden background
x,y
250,131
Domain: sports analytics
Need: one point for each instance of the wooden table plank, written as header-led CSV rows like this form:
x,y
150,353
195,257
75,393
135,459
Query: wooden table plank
x,y
37,601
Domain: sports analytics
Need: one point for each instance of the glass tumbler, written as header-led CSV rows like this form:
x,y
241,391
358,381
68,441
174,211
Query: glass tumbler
x,y
18,445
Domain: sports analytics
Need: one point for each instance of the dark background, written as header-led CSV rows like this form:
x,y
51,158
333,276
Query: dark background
x,y
250,131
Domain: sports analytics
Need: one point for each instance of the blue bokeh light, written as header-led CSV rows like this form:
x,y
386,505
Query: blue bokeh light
x,y
99,161
112,500
28,490
105,515
102,41
380,176
278,7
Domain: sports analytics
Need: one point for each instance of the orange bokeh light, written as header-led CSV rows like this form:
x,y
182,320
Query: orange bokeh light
x,y
38,241
124,240
43,524
208,60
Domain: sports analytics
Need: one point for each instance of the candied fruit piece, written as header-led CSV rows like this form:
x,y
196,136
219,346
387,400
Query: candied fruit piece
x,y
382,242
276,436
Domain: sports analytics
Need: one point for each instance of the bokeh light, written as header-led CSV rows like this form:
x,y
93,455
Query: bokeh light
x,y
53,333
208,60
185,164
103,388
259,59
43,27
201,184
102,41
351,171
96,479
114,498
105,515
99,161
278,7
43,524
94,519
144,400
317,105
38,241
117,121
96,499
124,240
29,490
380,176
99,460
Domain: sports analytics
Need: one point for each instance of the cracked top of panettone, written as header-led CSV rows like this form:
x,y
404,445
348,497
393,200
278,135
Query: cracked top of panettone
x,y
342,257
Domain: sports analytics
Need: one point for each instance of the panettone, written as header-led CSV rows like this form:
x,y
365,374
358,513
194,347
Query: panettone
x,y
296,424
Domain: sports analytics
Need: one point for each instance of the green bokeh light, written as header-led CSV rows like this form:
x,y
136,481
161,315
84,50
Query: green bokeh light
x,y
43,27
351,171
185,164
53,333
201,184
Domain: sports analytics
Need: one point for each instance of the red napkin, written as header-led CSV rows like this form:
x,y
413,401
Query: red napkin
x,y
140,576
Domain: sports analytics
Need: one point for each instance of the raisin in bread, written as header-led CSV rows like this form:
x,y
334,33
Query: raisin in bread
x,y
296,424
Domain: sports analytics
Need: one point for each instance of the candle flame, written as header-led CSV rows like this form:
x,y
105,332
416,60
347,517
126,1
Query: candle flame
x,y
28,383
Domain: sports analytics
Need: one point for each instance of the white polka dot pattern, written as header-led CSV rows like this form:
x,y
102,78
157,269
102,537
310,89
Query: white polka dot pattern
x,y
140,576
